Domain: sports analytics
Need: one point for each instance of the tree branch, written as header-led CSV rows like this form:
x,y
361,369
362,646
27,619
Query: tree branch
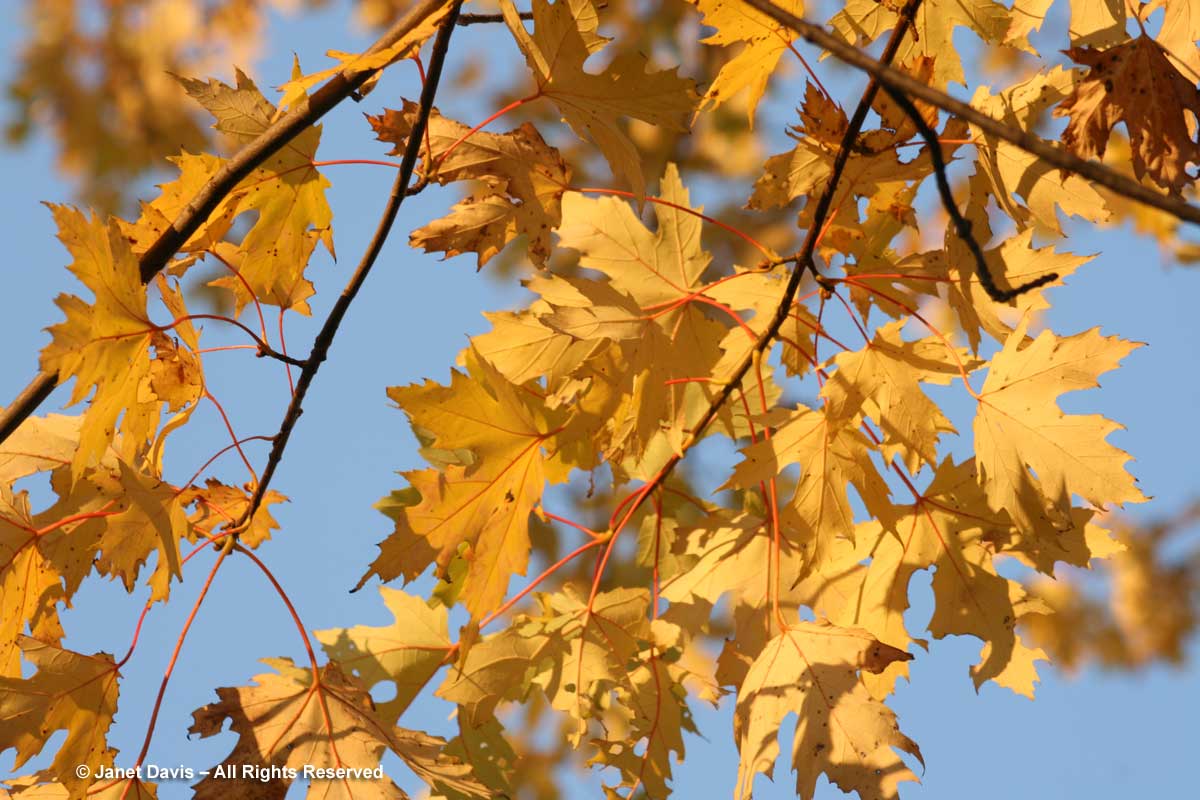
x,y
241,164
484,19
1092,170
320,348
962,226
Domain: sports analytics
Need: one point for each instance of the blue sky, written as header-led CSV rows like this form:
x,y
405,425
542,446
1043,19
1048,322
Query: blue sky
x,y
1091,735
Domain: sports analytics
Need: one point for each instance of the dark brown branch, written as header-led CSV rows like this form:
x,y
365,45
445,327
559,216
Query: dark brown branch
x,y
803,259
962,226
245,161
320,348
483,19
1092,170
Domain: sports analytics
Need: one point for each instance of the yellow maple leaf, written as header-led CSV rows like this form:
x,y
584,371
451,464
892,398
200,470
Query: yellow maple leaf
x,y
218,504
1019,427
350,64
592,104
286,191
883,379
406,653
1011,171
37,571
764,39
833,456
490,439
69,692
931,32
105,345
150,519
523,182
811,669
291,718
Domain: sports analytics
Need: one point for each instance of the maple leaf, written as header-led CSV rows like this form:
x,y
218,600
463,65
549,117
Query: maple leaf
x,y
523,182
806,167
37,571
291,718
1137,84
496,668
350,64
407,653
521,347
104,345
931,32
1011,171
483,499
729,556
218,504
1019,427
286,191
70,692
37,787
811,669
833,457
195,170
646,307
883,381
39,444
765,42
149,519
592,104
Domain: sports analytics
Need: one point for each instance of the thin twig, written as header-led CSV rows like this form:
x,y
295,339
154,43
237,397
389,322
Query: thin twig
x,y
878,70
320,348
962,225
483,19
245,161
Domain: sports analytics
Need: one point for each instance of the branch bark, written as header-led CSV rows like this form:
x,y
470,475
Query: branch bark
x,y
887,75
245,161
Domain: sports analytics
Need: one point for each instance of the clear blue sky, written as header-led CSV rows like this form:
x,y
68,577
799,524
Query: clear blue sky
x,y
1093,735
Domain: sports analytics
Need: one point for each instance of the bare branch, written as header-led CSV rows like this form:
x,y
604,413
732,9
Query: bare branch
x,y
320,348
962,226
483,19
287,127
1092,170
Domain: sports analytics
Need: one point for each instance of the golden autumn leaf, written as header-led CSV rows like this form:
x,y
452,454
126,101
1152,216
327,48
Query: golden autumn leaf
x,y
349,64
804,169
1136,83
932,31
812,669
291,718
764,42
1019,427
104,345
833,456
38,570
592,104
286,192
484,496
701,413
37,787
407,653
523,180
218,505
883,380
1012,172
70,692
